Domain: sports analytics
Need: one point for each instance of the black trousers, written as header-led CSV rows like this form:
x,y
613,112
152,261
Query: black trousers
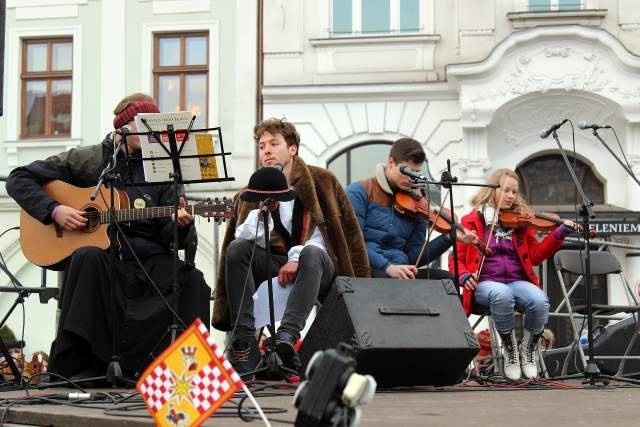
x,y
316,274
84,339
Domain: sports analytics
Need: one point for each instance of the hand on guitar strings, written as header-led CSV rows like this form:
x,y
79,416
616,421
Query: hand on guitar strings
x,y
68,218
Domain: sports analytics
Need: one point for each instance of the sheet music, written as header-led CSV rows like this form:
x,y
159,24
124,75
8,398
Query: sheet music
x,y
198,143
261,302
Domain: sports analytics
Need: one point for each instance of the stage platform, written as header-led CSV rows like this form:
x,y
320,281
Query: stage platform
x,y
469,405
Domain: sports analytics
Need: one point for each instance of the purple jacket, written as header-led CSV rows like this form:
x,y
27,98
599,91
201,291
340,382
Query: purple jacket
x,y
504,266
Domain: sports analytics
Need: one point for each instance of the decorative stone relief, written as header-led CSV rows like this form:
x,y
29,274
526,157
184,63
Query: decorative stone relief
x,y
516,122
551,67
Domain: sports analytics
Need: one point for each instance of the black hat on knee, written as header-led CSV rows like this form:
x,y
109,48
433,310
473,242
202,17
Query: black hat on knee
x,y
268,183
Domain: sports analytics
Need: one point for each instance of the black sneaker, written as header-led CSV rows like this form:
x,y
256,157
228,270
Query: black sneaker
x,y
245,355
285,346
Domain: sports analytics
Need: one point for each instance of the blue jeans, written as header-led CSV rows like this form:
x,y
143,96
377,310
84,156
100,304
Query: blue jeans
x,y
504,298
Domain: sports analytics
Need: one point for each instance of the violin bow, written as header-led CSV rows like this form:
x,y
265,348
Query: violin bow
x,y
496,212
426,242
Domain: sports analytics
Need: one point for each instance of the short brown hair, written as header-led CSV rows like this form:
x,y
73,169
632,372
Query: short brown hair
x,y
134,97
407,149
274,126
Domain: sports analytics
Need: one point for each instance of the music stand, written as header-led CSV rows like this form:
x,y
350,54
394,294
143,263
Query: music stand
x,y
114,372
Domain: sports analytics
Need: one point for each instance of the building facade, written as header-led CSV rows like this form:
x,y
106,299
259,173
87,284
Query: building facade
x,y
67,64
475,82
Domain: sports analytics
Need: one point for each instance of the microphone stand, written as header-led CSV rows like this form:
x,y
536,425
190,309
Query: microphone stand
x,y
114,371
273,363
591,371
625,167
448,181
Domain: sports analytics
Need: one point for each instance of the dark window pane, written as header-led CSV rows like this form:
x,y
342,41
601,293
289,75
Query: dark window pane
x,y
196,50
196,98
61,107
546,181
375,16
169,93
61,56
35,108
169,51
409,15
342,13
37,57
537,5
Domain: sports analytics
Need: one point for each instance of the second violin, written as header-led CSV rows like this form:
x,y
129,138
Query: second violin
x,y
541,221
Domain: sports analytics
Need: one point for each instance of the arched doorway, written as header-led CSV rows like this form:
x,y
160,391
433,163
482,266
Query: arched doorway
x,y
546,181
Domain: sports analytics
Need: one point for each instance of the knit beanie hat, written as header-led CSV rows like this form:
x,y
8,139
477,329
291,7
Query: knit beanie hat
x,y
127,114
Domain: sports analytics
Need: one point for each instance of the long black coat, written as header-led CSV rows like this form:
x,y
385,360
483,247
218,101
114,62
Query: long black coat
x,y
138,307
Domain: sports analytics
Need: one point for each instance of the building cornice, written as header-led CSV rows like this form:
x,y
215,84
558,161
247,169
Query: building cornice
x,y
586,17
344,92
375,40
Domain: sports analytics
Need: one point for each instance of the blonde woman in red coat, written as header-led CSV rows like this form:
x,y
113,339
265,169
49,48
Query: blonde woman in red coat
x,y
506,280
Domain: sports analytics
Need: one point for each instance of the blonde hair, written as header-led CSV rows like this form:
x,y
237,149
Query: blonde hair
x,y
486,195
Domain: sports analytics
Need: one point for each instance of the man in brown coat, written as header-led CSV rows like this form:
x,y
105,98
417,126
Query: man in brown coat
x,y
314,237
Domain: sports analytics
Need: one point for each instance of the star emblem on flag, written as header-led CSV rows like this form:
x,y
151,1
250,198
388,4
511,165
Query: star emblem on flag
x,y
189,381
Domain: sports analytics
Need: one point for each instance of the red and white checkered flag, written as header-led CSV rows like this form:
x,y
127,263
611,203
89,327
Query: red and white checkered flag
x,y
189,381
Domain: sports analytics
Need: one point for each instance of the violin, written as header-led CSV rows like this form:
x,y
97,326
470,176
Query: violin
x,y
440,218
541,221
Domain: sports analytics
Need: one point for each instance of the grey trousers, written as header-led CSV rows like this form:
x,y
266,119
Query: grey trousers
x,y
316,274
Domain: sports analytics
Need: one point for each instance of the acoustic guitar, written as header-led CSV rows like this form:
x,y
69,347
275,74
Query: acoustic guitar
x,y
45,245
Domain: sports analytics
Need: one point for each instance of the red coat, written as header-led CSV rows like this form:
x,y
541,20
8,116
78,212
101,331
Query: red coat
x,y
530,251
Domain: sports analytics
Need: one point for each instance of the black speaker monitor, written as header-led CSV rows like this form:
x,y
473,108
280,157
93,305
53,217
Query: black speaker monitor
x,y
404,332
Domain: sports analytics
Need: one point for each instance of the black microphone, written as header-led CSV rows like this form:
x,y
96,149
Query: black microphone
x,y
124,129
545,133
406,170
585,125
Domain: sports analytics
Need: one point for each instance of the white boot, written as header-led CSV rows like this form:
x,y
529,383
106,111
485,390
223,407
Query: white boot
x,y
510,355
528,350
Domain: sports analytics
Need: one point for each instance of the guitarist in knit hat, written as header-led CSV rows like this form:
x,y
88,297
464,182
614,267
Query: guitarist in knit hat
x,y
83,346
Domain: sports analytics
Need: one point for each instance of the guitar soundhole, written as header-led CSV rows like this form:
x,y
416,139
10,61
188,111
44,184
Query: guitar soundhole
x,y
93,218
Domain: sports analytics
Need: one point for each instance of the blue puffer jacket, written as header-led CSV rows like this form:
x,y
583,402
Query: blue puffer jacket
x,y
390,237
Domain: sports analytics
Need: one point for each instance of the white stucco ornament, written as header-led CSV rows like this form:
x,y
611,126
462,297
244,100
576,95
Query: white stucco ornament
x,y
545,60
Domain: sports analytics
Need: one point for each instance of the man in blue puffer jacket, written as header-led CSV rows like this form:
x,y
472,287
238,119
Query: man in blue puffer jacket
x,y
394,240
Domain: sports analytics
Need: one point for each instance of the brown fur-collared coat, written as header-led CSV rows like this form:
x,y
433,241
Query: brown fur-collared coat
x,y
322,195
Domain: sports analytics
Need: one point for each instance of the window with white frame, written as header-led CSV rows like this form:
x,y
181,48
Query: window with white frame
x,y
350,17
181,69
46,87
546,5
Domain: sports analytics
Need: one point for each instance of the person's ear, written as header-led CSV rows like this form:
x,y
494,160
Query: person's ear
x,y
390,162
293,150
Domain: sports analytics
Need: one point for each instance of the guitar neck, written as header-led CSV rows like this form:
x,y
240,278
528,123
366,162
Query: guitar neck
x,y
123,215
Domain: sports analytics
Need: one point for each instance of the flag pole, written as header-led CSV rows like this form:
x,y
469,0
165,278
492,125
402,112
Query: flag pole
x,y
255,405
